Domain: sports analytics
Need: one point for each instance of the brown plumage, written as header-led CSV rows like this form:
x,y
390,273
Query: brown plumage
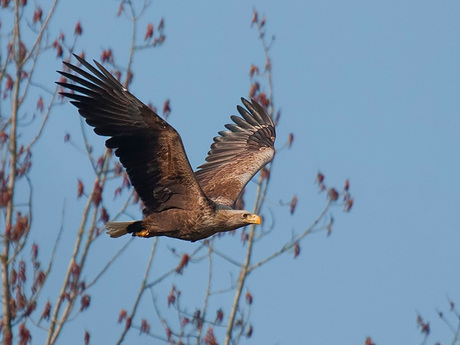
x,y
178,202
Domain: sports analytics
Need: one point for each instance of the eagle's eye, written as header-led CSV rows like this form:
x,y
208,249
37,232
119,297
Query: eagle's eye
x,y
246,215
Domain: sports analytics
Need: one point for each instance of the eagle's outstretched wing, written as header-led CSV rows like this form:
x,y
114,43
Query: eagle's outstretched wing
x,y
237,154
148,147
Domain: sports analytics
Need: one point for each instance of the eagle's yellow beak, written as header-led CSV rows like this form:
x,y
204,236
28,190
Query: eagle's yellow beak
x,y
253,219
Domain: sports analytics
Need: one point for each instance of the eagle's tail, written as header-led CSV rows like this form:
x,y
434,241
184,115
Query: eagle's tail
x,y
117,229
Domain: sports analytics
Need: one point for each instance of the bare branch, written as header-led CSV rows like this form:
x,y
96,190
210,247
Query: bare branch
x,y
40,34
208,289
290,245
12,147
109,263
44,120
244,269
53,332
141,291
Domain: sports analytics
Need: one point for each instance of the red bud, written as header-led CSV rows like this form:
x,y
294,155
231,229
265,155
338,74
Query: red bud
x,y
248,298
293,204
59,51
107,56
85,301
369,341
78,29
290,139
104,215
128,323
262,23
97,194
296,249
263,100
319,178
168,333
123,314
80,189
332,194
347,185
161,24
37,15
24,334
348,205
255,87
209,338
219,316
254,18
254,70
145,326
166,109
183,262
172,296
249,332
40,104
46,312
149,32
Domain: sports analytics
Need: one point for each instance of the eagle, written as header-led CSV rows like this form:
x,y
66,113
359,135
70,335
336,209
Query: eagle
x,y
178,202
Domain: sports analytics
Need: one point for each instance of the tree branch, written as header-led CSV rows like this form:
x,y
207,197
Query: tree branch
x,y
291,244
141,291
12,147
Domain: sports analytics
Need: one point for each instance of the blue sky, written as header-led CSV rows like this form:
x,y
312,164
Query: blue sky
x,y
370,90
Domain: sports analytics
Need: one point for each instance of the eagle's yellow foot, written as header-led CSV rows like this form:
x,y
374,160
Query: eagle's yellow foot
x,y
143,233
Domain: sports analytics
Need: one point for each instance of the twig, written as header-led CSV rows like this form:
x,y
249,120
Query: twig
x,y
53,332
262,187
42,126
25,236
40,34
208,289
141,290
291,244
226,257
12,147
243,272
53,252
109,263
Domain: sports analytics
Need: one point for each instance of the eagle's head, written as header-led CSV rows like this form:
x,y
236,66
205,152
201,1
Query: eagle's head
x,y
230,219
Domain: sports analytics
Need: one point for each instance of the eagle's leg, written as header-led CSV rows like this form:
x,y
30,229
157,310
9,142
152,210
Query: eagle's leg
x,y
142,233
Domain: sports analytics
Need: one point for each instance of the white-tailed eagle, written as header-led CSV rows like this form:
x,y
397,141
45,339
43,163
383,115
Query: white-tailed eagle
x,y
178,202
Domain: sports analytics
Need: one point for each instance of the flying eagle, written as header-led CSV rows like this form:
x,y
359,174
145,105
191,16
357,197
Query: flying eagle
x,y
177,202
